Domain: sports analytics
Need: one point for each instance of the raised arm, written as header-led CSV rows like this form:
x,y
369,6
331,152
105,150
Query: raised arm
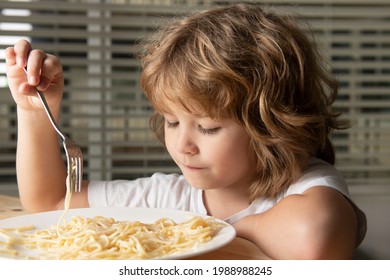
x,y
41,172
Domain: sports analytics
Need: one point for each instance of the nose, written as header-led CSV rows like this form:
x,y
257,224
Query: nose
x,y
185,143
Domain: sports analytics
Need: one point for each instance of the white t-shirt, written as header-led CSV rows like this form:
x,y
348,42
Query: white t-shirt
x,y
172,191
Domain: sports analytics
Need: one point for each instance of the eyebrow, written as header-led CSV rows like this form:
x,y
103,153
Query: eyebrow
x,y
196,115
171,112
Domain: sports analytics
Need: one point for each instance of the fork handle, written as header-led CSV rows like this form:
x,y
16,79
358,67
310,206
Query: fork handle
x,y
47,110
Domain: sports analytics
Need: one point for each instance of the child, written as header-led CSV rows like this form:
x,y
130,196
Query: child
x,y
242,104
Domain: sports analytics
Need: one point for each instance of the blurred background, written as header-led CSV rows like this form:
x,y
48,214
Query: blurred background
x,y
105,111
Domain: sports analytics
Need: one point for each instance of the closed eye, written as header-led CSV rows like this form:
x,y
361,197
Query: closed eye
x,y
208,131
171,124
205,131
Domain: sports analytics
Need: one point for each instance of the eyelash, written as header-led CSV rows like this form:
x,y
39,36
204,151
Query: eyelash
x,y
205,131
208,131
171,124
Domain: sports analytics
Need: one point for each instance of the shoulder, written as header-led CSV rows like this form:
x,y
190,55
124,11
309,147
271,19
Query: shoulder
x,y
318,173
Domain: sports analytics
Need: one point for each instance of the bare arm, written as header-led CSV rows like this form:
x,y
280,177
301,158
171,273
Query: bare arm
x,y
319,224
41,171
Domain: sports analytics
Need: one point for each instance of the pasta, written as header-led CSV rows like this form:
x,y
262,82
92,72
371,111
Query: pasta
x,y
107,238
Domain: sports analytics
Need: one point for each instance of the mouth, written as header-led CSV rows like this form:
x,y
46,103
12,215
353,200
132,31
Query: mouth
x,y
192,168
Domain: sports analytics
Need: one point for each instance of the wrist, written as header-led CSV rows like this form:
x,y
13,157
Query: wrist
x,y
35,122
36,115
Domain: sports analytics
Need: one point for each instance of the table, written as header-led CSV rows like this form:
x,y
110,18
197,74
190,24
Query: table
x,y
238,249
10,206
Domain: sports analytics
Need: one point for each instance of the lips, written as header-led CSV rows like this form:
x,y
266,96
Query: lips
x,y
192,168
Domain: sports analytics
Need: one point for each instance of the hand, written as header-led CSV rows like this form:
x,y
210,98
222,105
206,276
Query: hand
x,y
44,73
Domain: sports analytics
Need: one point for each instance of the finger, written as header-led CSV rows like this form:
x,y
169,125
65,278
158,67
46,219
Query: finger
x,y
22,49
35,66
51,72
10,56
26,89
13,71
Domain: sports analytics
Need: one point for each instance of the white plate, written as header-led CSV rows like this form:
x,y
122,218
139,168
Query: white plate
x,y
146,215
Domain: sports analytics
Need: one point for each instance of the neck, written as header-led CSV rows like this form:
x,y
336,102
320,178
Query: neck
x,y
222,204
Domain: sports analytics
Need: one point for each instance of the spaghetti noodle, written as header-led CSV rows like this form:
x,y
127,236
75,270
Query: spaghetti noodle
x,y
107,238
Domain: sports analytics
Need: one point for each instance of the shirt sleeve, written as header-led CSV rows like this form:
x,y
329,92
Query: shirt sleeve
x,y
319,173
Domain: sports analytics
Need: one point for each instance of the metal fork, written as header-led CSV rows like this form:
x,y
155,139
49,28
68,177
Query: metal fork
x,y
74,155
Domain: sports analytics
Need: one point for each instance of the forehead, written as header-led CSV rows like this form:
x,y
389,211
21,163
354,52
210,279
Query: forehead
x,y
189,94
201,103
174,108
169,102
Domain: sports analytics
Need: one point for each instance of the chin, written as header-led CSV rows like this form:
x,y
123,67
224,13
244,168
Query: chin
x,y
200,185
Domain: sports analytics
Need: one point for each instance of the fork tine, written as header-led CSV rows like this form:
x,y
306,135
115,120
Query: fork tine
x,y
75,187
69,167
81,165
77,177
74,174
75,164
79,172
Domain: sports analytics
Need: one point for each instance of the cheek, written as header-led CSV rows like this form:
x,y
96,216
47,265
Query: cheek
x,y
168,142
242,153
233,154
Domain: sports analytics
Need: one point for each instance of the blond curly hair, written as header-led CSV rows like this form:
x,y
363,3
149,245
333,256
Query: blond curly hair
x,y
258,68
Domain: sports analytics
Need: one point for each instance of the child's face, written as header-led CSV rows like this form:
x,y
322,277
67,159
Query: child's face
x,y
211,154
